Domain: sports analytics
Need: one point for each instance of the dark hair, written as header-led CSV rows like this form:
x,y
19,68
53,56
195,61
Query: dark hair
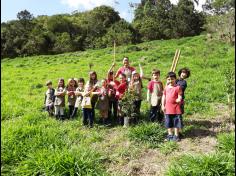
x,y
123,75
59,80
156,71
48,83
81,80
186,70
91,81
171,75
111,72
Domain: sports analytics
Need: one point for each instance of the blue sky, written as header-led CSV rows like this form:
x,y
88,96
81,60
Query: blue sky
x,y
9,8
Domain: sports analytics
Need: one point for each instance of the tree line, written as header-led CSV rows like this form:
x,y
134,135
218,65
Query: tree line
x,y
98,28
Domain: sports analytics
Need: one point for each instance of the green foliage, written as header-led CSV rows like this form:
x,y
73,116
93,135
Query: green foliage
x,y
168,147
163,20
152,134
201,165
226,142
127,103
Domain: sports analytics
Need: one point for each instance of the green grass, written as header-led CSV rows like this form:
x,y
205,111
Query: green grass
x,y
34,144
202,165
168,147
151,134
226,142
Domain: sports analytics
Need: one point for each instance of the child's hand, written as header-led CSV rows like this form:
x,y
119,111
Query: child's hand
x,y
178,100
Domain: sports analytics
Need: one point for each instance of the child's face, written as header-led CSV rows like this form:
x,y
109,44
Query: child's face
x,y
156,76
60,83
136,77
110,76
81,84
170,81
72,83
183,75
49,86
93,76
122,78
103,83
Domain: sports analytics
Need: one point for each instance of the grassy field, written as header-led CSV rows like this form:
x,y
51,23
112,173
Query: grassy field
x,y
34,144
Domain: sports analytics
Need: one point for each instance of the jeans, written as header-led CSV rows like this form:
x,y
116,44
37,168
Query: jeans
x,y
74,113
88,115
71,109
155,113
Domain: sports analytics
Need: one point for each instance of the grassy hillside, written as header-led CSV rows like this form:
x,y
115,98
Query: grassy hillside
x,y
34,144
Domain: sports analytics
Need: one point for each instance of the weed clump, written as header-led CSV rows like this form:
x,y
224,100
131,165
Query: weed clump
x,y
152,134
226,142
201,165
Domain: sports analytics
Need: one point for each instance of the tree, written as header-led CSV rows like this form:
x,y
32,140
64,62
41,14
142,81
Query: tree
x,y
221,19
25,15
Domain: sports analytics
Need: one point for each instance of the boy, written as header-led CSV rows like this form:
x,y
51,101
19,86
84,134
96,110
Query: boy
x,y
49,98
154,94
171,100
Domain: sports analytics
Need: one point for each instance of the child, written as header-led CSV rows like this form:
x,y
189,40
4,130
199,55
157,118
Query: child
x,y
71,87
171,107
87,105
103,102
79,97
94,84
154,94
120,90
60,99
136,86
49,98
183,73
113,101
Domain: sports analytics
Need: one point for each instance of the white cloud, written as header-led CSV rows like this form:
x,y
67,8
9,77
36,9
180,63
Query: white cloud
x,y
86,4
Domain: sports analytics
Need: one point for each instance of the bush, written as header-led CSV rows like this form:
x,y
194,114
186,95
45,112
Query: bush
x,y
202,165
152,134
226,142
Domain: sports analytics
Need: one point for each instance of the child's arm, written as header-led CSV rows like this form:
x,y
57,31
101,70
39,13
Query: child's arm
x,y
178,100
142,74
163,100
45,99
110,69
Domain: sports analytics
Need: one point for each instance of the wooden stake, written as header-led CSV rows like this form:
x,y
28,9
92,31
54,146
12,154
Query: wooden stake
x,y
114,58
173,62
176,61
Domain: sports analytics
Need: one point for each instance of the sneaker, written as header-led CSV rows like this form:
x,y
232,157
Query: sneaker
x,y
169,138
176,138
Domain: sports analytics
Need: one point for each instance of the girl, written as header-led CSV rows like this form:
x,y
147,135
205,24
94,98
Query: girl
x,y
79,97
103,102
113,101
120,90
60,99
71,87
87,105
94,84
136,86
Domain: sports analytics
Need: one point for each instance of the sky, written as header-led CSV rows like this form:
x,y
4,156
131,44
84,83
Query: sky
x,y
10,8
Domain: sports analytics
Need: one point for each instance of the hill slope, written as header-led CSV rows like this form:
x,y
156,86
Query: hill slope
x,y
33,143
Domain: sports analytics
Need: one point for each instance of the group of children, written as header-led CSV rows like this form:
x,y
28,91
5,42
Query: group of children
x,y
106,96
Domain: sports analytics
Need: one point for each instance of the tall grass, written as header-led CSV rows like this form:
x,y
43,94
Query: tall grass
x,y
152,134
202,165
